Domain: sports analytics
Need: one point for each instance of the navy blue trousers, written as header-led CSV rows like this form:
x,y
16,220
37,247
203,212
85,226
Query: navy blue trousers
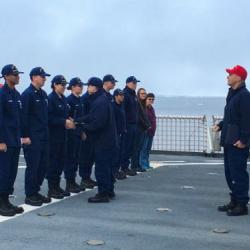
x,y
72,160
8,169
57,153
86,160
118,153
138,144
235,162
129,141
103,169
37,159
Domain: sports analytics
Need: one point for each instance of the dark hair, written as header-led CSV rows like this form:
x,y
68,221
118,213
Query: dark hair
x,y
143,102
150,95
52,86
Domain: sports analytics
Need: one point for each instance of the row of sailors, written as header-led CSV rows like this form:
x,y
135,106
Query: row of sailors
x,y
68,134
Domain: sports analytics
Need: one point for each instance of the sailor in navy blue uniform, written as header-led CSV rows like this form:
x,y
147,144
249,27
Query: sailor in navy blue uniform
x,y
103,137
235,138
120,119
59,121
131,112
86,160
76,137
109,83
10,138
35,136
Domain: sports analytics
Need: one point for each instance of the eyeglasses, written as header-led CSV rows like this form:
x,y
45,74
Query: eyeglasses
x,y
151,99
143,93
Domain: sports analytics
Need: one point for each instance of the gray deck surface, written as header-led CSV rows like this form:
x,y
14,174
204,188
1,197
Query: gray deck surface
x,y
131,222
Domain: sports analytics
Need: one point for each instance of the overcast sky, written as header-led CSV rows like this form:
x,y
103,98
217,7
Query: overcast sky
x,y
179,47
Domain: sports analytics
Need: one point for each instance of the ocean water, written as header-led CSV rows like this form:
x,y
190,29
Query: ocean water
x,y
189,106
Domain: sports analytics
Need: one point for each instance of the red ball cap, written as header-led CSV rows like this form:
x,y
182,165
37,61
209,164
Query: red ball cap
x,y
239,71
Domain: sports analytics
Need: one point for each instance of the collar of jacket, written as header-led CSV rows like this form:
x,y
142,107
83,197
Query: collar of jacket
x,y
96,94
8,89
57,96
131,91
74,96
242,86
35,89
232,92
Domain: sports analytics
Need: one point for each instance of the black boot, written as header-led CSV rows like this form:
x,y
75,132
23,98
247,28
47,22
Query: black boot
x,y
225,208
130,172
33,200
238,210
140,170
120,175
65,193
86,184
112,195
99,198
5,209
18,210
54,191
72,187
44,199
93,182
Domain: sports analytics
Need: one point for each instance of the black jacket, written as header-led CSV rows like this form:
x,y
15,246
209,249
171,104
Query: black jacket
x,y
34,118
58,113
100,123
236,122
143,121
131,106
10,114
120,118
77,109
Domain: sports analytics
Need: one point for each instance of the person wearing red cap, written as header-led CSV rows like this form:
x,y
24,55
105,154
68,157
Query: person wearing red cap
x,y
235,138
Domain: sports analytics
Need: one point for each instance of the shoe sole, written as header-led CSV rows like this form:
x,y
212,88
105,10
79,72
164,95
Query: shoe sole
x,y
231,215
8,215
34,204
98,201
54,197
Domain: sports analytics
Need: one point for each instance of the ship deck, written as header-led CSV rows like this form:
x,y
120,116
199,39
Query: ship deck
x,y
190,187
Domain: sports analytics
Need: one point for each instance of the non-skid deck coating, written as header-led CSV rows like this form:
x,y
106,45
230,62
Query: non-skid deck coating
x,y
132,222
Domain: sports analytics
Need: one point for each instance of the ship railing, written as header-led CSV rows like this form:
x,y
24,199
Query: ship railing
x,y
186,134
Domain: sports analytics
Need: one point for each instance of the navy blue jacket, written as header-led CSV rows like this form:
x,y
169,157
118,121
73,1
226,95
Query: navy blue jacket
x,y
109,96
77,109
100,123
58,113
34,119
120,118
131,106
85,98
236,122
10,114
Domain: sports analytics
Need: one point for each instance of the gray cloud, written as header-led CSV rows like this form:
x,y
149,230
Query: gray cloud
x,y
175,47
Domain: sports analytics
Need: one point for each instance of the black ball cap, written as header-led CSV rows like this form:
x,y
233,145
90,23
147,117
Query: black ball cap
x,y
109,78
132,79
10,69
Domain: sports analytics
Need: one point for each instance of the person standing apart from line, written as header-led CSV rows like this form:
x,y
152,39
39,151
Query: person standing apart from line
x,y
235,138
149,136
59,121
35,136
10,138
